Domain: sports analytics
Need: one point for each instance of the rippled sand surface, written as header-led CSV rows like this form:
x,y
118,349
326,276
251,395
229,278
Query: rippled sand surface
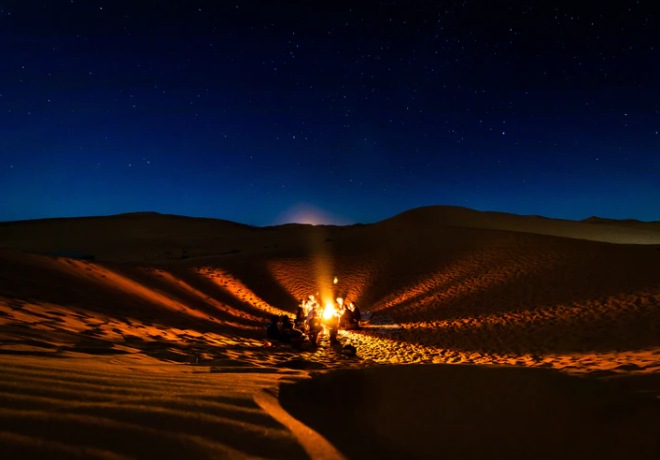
x,y
478,328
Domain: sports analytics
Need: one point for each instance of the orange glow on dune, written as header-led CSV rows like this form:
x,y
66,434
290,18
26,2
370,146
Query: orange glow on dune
x,y
232,285
468,277
207,299
106,276
323,267
324,288
299,277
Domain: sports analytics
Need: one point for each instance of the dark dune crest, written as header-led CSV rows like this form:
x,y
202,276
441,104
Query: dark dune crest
x,y
191,230
606,230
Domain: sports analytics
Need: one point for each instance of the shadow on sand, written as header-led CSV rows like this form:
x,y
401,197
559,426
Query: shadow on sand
x,y
470,412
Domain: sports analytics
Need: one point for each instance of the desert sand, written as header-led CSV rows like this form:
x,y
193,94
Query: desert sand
x,y
485,335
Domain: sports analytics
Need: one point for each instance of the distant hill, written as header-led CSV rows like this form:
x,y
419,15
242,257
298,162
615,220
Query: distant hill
x,y
594,229
151,237
134,236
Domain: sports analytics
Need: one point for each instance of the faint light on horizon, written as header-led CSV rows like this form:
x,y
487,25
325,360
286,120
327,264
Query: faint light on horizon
x,y
308,214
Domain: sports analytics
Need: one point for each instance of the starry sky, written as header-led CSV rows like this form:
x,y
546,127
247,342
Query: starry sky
x,y
265,112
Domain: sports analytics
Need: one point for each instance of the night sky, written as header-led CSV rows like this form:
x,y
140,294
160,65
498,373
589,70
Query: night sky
x,y
264,112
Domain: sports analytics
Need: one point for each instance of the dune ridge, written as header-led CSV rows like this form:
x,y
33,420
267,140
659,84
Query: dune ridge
x,y
147,330
626,231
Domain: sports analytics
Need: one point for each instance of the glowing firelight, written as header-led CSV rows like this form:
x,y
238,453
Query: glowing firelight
x,y
335,280
329,311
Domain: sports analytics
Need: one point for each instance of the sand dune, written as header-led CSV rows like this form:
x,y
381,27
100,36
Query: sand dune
x,y
598,229
141,336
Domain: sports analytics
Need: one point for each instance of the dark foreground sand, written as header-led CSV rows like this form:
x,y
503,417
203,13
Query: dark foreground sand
x,y
469,411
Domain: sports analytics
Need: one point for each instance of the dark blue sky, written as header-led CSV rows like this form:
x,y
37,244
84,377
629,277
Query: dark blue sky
x,y
264,111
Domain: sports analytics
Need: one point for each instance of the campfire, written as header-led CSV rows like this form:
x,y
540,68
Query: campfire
x,y
329,313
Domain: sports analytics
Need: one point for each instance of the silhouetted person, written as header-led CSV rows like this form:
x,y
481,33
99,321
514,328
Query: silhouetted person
x,y
349,350
300,317
351,317
344,317
314,326
288,333
333,328
273,329
357,316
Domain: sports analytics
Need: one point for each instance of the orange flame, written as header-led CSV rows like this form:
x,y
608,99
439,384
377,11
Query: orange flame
x,y
329,311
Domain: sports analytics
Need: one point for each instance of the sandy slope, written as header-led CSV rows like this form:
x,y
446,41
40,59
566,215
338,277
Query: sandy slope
x,y
155,348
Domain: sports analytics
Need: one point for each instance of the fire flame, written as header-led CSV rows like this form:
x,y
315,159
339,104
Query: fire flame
x,y
329,311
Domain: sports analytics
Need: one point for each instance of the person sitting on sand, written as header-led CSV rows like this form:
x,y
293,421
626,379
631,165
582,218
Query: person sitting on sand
x,y
349,350
351,317
288,333
356,316
273,329
300,317
332,327
314,326
344,316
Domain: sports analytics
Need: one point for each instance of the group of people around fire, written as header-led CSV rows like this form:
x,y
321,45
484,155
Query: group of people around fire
x,y
311,319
